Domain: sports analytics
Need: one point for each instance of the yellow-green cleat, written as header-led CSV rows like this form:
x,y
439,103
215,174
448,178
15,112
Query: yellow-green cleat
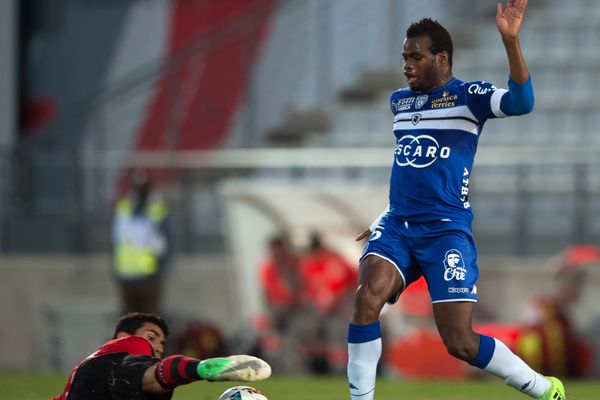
x,y
556,391
241,368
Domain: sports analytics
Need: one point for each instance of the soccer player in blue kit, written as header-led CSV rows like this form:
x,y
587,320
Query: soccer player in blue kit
x,y
426,229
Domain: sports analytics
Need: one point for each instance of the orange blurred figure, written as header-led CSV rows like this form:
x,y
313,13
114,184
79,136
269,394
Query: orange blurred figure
x,y
548,342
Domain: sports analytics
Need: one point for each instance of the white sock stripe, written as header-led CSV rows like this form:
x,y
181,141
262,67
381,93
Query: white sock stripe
x,y
362,394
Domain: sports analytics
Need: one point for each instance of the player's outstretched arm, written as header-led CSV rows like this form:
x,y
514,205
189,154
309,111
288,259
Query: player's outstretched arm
x,y
509,19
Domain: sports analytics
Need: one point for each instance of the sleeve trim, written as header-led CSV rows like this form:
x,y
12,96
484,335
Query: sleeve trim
x,y
495,102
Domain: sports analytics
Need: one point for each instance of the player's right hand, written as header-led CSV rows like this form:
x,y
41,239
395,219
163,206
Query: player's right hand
x,y
509,18
364,234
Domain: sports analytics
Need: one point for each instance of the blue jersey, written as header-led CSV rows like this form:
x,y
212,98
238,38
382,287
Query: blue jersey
x,y
436,140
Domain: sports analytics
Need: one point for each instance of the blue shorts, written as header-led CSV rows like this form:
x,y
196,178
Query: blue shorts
x,y
443,251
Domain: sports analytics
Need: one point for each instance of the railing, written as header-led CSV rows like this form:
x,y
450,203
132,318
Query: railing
x,y
331,157
526,200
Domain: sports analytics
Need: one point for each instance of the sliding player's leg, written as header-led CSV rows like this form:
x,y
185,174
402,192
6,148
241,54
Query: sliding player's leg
x,y
179,370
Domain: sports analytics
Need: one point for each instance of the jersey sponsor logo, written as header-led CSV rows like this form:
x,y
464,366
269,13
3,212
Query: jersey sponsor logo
x,y
445,101
454,266
458,290
419,151
403,104
476,88
415,118
421,100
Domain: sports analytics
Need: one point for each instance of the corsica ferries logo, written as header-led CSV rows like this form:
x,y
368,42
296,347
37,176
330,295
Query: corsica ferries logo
x,y
419,151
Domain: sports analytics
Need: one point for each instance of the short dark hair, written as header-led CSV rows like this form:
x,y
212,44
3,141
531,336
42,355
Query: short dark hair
x,y
440,38
131,322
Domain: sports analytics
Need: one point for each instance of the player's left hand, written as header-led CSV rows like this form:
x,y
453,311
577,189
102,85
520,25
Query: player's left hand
x,y
509,18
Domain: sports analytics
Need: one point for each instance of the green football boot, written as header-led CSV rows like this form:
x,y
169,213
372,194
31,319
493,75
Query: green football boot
x,y
556,391
241,368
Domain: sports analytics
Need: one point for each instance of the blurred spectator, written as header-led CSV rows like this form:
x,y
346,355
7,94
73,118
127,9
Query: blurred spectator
x,y
329,279
140,245
549,343
281,281
201,340
329,284
309,298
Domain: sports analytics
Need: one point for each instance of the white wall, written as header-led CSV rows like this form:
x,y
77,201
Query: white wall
x,y
56,309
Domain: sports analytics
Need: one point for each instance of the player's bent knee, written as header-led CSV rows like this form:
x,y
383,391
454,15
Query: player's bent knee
x,y
367,305
463,348
368,298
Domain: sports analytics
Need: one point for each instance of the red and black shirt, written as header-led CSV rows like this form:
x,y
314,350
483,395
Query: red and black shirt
x,y
114,371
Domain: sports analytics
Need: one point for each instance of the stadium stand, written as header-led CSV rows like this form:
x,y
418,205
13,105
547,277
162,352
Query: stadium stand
x,y
308,79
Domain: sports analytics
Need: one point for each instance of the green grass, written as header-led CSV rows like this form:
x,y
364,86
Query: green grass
x,y
34,387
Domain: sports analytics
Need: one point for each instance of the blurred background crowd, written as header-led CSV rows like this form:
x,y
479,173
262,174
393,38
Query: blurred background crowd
x,y
221,155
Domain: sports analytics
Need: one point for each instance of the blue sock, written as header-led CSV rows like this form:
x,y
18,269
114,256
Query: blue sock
x,y
364,333
487,345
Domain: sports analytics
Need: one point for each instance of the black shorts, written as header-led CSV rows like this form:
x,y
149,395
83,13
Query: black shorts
x,y
115,376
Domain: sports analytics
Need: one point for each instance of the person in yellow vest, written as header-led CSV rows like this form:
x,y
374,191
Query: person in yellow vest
x,y
140,246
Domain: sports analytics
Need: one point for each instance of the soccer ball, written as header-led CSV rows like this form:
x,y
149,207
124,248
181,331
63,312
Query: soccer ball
x,y
242,393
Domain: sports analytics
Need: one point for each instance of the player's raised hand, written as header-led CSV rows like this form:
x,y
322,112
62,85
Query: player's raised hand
x,y
509,18
364,234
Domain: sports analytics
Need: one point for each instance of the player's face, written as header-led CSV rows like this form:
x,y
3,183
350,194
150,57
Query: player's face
x,y
155,336
422,68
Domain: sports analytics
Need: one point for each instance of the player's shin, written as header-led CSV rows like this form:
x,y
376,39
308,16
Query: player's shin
x,y
364,350
177,370
497,359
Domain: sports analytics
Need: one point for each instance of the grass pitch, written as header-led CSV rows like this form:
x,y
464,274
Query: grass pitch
x,y
38,387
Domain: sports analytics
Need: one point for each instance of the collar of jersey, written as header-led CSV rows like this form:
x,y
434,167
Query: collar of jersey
x,y
444,86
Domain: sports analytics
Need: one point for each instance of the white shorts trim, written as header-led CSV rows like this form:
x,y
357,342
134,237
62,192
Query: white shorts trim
x,y
391,262
453,300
